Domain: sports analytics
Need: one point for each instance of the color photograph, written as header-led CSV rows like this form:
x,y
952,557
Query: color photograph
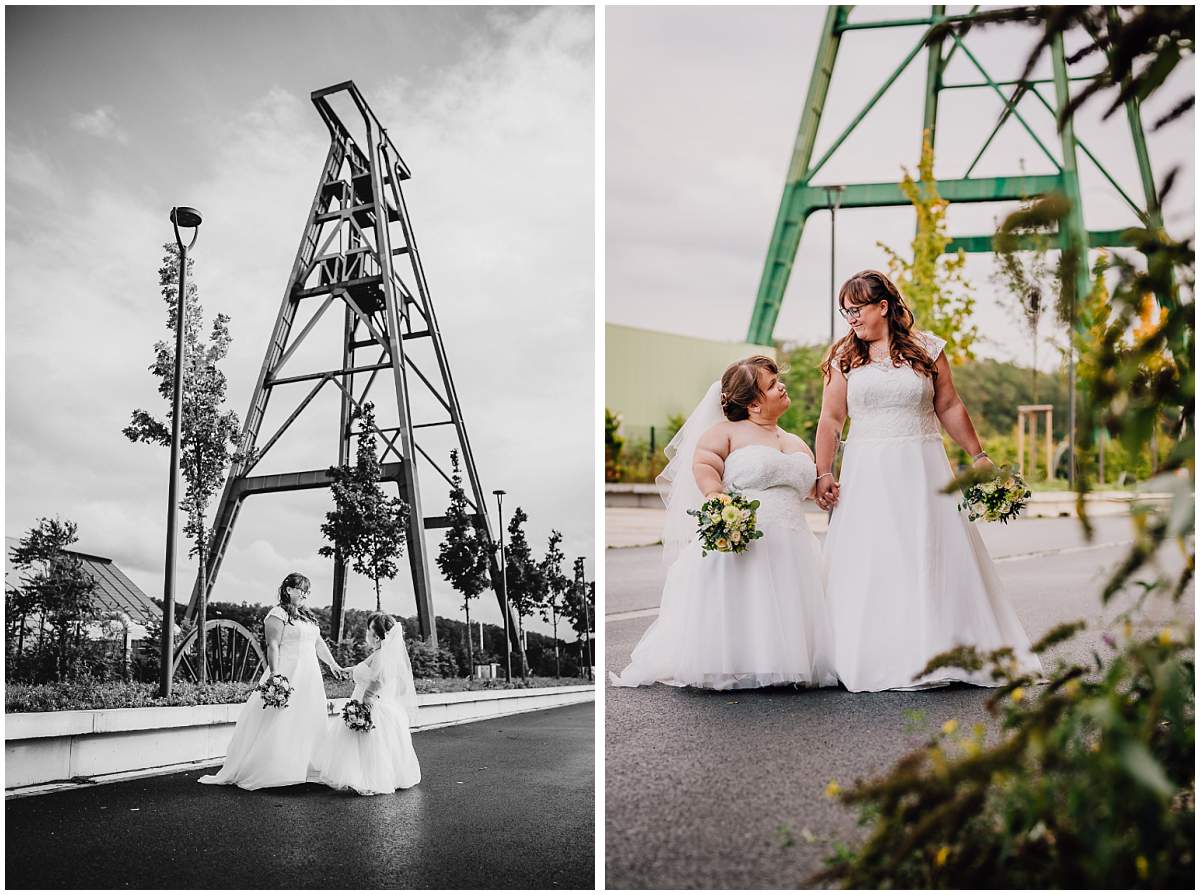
x,y
899,447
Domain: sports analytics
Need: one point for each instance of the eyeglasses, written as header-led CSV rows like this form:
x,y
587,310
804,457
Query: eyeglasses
x,y
852,312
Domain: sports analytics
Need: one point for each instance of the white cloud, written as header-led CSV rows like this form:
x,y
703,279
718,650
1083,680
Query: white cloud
x,y
101,122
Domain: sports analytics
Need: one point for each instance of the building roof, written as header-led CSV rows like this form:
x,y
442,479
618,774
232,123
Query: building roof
x,y
115,592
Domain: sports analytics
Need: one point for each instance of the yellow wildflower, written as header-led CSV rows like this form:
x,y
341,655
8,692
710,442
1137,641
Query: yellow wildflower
x,y
942,855
970,747
1128,629
832,789
1165,636
1143,866
1071,687
1017,695
949,727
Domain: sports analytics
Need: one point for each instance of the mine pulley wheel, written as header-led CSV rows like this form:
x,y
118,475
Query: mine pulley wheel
x,y
234,653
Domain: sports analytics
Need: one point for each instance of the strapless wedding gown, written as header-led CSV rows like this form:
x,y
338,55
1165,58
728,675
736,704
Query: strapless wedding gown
x,y
907,575
275,746
731,621
381,760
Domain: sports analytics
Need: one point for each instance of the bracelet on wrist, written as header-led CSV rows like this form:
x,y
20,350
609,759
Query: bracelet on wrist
x,y
822,475
980,455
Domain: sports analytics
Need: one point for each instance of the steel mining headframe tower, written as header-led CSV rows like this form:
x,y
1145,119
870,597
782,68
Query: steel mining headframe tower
x,y
358,254
1049,97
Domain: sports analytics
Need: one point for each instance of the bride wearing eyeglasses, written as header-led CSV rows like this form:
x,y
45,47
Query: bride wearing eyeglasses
x,y
907,576
276,746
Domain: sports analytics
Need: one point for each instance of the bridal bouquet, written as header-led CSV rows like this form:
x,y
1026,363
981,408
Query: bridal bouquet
x,y
998,499
357,716
726,523
275,691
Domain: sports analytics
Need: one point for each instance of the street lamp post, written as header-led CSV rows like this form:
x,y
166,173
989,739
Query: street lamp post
x,y
181,216
504,587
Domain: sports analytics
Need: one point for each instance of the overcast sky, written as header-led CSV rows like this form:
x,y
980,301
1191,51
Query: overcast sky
x,y
116,114
702,109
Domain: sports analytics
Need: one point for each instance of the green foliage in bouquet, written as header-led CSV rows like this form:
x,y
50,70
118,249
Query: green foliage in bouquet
x,y
1000,496
727,523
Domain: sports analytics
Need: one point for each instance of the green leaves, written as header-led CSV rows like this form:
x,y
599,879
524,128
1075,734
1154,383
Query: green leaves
x,y
1145,769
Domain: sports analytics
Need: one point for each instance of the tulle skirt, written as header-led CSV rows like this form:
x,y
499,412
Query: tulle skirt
x,y
734,621
275,746
381,760
907,576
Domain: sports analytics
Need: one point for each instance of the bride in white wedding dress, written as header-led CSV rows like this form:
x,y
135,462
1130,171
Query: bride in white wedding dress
x,y
907,576
738,620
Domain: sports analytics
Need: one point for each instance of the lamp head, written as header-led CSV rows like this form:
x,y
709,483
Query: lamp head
x,y
499,493
182,216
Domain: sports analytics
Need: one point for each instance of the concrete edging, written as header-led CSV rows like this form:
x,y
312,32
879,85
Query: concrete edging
x,y
43,747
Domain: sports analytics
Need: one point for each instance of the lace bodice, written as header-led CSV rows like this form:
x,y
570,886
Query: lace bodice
x,y
885,401
299,641
779,481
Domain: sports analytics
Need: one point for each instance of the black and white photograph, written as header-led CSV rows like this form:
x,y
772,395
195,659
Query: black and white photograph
x,y
300,468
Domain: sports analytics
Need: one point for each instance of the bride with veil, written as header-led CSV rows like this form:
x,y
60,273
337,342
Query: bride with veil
x,y
738,620
381,759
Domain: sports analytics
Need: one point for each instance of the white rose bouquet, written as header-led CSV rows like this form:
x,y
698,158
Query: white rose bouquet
x,y
357,716
275,691
726,523
998,499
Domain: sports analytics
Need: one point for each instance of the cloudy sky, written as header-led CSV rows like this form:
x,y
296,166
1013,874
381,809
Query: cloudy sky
x,y
702,106
116,114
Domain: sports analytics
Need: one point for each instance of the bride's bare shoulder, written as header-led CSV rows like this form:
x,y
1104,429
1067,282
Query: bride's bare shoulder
x,y
795,444
717,438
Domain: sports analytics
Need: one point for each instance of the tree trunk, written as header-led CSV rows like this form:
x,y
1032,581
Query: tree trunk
x,y
554,622
78,652
470,649
202,611
521,635
21,644
378,598
41,645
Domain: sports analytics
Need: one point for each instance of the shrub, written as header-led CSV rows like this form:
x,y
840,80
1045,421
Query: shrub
x,y
1091,783
86,693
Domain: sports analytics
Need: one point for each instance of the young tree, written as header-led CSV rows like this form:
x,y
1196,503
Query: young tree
x,y
58,588
365,526
208,434
581,610
933,283
554,589
465,552
523,575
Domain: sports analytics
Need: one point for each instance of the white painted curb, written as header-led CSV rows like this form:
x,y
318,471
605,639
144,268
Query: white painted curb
x,y
48,750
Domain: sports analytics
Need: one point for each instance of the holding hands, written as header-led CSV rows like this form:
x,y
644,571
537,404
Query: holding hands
x,y
826,491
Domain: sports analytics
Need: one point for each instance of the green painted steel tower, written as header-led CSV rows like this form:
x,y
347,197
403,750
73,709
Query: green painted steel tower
x,y
802,194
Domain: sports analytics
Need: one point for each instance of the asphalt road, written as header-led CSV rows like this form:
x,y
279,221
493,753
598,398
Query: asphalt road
x,y
508,803
726,790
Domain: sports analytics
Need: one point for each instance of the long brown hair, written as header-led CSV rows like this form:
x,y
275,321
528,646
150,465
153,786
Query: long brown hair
x,y
739,385
294,579
870,287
